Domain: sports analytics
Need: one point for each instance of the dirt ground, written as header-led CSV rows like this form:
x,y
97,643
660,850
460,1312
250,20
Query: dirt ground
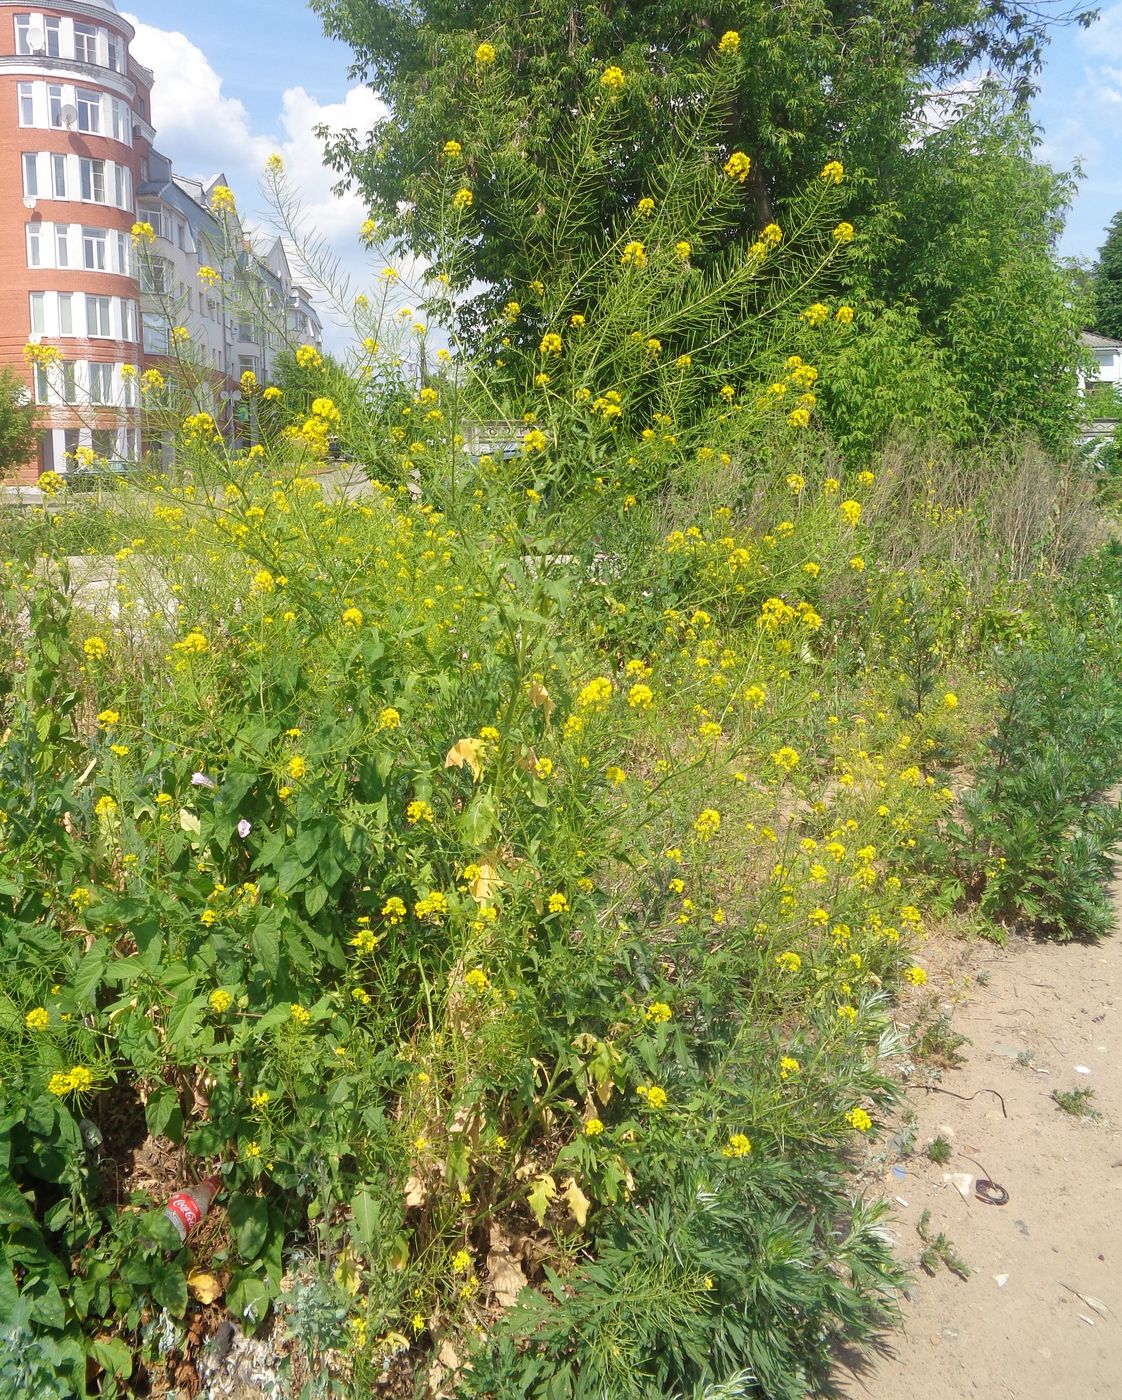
x,y
1040,1316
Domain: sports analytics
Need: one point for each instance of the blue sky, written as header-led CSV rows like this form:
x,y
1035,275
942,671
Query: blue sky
x,y
236,81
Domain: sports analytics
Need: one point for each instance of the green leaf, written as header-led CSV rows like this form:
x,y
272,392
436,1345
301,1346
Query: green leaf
x,y
249,1215
164,1115
169,1286
112,1355
248,1298
543,1191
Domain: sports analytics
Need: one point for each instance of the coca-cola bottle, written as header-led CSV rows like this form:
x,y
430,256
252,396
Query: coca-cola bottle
x,y
186,1208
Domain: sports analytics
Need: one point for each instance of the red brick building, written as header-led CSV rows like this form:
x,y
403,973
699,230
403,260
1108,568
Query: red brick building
x,y
75,146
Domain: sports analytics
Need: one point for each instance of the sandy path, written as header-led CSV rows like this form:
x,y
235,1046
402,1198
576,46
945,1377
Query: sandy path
x,y
1031,1337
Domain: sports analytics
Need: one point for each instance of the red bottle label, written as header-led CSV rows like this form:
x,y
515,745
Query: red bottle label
x,y
186,1209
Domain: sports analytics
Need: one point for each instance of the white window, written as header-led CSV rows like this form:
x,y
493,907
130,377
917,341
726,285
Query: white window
x,y
97,316
27,104
85,43
128,320
101,383
92,179
52,33
181,235
30,175
66,313
156,333
94,250
42,386
54,104
69,381
123,265
128,389
38,313
122,124
62,245
89,110
35,245
58,176
116,53
23,28
122,186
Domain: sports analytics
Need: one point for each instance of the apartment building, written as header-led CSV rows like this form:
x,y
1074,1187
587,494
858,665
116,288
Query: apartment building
x,y
77,170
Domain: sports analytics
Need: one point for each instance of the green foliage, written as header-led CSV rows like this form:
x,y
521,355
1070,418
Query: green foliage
x,y
939,1151
1107,285
973,250
1038,831
938,1251
1075,1102
17,422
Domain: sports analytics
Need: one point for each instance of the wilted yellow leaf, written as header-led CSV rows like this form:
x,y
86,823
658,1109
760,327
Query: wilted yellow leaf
x,y
415,1192
540,696
544,1190
483,887
465,751
206,1288
577,1201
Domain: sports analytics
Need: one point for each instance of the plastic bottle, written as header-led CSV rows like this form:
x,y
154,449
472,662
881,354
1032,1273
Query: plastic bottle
x,y
186,1208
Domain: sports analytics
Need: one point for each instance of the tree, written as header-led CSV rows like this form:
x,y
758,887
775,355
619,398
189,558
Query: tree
x,y
976,218
17,423
817,79
1108,282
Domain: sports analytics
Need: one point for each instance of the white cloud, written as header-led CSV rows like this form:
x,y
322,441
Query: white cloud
x,y
204,131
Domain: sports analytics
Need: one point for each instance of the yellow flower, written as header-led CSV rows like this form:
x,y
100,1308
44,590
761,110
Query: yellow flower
x,y
796,482
593,1127
461,1262
950,701
297,766
656,1098
453,149
485,55
274,165
851,512
308,357
37,1019
857,564
639,697
551,343
613,79
844,316
299,1014
788,962
634,255
194,643
738,1146
730,42
220,1001
843,233
417,812
707,824
646,207
143,232
463,199
596,694
534,441
105,807
95,648
558,904
577,321
389,718
788,1065
798,418
477,980
916,976
859,1119
352,617
107,718
737,166
832,172
208,276
786,758
658,1013
683,250
222,199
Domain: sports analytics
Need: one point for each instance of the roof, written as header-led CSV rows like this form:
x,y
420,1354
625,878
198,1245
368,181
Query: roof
x,y
1095,341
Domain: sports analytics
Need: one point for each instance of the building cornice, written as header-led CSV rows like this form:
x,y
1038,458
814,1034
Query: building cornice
x,y
71,8
66,70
